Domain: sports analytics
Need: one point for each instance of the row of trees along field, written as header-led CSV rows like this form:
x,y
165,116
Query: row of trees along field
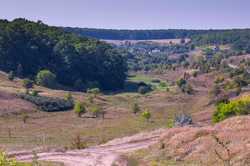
x,y
28,47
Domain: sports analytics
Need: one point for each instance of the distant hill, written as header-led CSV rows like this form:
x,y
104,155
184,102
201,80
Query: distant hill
x,y
238,38
111,34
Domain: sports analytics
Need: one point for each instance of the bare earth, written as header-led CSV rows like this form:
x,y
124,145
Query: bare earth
x,y
187,143
103,155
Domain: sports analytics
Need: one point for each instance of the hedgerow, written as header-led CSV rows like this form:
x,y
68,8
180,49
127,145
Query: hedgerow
x,y
49,104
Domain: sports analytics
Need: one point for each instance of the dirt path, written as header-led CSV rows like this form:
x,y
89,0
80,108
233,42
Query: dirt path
x,y
103,155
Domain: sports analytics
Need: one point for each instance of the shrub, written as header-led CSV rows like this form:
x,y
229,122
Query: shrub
x,y
94,91
182,120
27,83
163,84
46,78
68,96
235,107
195,73
5,161
219,79
135,108
95,111
156,81
188,89
146,115
90,98
79,108
181,82
48,104
11,76
229,85
170,123
34,93
144,89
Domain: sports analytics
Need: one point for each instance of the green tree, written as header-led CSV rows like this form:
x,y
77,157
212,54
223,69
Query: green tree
x,y
46,78
94,91
11,76
79,108
27,83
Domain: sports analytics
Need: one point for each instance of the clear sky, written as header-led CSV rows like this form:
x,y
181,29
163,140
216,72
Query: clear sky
x,y
132,14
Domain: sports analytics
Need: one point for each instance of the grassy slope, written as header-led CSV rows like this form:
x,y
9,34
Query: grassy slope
x,y
57,130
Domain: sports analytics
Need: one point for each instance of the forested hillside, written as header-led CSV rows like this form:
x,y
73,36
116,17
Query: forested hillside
x,y
27,47
112,34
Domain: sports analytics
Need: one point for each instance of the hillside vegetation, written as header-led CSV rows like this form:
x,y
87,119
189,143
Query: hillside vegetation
x,y
27,47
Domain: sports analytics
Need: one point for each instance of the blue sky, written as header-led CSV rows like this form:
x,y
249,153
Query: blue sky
x,y
132,14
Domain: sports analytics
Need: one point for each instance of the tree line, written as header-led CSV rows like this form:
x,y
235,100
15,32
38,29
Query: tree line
x,y
239,38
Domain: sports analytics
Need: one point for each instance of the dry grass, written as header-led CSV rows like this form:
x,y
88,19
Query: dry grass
x,y
57,130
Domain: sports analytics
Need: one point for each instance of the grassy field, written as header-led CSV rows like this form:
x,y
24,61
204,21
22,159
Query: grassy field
x,y
156,83
58,130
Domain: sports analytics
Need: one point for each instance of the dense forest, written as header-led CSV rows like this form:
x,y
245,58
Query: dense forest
x,y
239,39
27,47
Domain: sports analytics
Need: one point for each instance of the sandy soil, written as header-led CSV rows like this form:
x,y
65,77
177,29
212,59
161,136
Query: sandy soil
x,y
186,143
103,155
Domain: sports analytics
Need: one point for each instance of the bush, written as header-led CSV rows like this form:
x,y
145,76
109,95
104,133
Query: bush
x,y
156,81
235,107
187,88
79,108
181,82
229,85
219,79
11,76
195,73
146,115
163,84
27,83
95,111
144,89
182,120
4,161
34,93
94,91
46,78
68,96
48,104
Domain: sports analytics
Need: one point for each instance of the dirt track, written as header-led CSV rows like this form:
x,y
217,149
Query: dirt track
x,y
103,155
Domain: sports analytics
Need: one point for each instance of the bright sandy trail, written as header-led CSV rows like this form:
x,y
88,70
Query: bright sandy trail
x,y
103,155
